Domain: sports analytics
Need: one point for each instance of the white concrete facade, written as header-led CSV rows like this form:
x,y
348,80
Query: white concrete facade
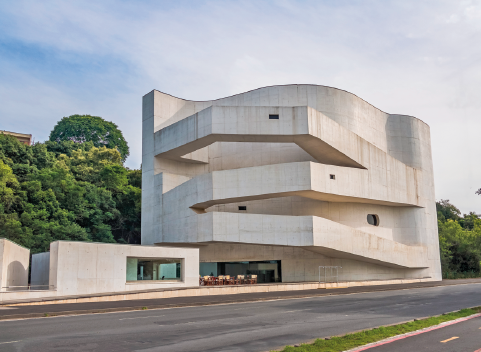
x,y
308,179
83,268
14,261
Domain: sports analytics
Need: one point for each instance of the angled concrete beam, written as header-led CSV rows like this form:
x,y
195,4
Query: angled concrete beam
x,y
309,232
321,137
306,179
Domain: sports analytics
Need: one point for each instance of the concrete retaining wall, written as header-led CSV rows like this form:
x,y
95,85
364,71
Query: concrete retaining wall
x,y
14,261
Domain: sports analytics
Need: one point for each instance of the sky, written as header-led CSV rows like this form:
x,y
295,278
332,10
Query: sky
x,y
419,58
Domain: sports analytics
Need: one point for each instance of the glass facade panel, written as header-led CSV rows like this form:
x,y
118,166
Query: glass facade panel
x,y
153,269
266,271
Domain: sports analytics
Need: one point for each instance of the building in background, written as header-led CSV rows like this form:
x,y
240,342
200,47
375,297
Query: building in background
x,y
22,137
281,180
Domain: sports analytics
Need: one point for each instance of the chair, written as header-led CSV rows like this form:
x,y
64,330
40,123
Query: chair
x,y
220,280
228,280
253,279
239,280
206,280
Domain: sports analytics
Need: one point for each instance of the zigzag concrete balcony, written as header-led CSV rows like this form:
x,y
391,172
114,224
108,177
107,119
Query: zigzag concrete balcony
x,y
308,232
321,137
305,179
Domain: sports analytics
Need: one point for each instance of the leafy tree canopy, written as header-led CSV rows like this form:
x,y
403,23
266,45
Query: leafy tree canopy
x,y
447,211
66,191
85,128
459,239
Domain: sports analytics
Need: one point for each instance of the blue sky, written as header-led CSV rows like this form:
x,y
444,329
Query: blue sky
x,y
420,58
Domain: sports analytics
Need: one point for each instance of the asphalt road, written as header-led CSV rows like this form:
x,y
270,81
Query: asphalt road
x,y
461,337
259,326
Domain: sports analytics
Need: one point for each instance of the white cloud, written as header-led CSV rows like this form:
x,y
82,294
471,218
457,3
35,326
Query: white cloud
x,y
408,57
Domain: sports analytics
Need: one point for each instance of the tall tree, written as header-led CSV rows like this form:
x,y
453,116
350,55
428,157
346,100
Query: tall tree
x,y
87,128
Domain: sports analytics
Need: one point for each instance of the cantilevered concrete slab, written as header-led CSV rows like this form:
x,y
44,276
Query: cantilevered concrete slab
x,y
304,175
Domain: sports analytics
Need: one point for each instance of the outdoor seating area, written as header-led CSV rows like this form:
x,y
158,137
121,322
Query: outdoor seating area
x,y
228,280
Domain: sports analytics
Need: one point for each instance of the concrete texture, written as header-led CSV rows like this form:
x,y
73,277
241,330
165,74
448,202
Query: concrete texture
x,y
255,326
14,261
80,267
39,275
308,181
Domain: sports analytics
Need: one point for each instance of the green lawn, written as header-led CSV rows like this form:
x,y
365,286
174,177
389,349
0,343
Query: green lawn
x,y
357,339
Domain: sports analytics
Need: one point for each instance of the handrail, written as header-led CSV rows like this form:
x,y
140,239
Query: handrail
x,y
325,272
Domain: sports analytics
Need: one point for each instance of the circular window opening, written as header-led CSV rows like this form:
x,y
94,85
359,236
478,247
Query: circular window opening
x,y
373,219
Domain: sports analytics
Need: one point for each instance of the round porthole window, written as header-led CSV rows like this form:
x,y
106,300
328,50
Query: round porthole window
x,y
373,219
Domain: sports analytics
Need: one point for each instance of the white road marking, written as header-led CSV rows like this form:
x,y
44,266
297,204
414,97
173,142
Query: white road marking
x,y
1,343
153,316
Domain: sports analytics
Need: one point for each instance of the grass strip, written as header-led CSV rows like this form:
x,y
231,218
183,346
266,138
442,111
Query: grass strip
x,y
346,342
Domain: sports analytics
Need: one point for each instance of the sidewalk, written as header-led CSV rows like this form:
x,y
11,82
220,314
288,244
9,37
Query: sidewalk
x,y
37,311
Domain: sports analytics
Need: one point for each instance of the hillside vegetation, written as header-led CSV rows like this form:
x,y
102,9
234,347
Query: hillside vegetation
x,y
459,241
66,191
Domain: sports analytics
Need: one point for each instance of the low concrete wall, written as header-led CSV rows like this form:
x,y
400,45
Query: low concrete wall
x,y
14,261
40,269
52,297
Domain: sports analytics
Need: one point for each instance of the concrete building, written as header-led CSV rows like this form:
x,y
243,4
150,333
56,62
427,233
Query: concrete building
x,y
281,180
22,137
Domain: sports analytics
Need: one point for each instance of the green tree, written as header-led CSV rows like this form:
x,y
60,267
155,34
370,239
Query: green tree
x,y
447,211
66,191
460,248
86,128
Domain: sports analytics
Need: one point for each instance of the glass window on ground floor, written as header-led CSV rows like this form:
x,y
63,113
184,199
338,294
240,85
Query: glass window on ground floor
x,y
142,269
266,271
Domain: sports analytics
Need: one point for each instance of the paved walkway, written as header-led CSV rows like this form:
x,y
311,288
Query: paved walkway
x,y
20,312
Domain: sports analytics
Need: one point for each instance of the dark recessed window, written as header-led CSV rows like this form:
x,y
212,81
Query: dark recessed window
x,y
332,177
373,219
243,207
273,117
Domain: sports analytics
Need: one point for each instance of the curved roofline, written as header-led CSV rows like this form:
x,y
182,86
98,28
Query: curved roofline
x,y
284,85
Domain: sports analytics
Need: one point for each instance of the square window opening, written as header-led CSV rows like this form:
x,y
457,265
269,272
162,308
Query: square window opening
x,y
154,269
332,177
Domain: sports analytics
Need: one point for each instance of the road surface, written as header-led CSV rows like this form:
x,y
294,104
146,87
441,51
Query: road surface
x,y
258,326
460,337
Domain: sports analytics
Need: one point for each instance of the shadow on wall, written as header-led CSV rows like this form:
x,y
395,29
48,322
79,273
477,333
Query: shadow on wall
x,y
16,274
403,140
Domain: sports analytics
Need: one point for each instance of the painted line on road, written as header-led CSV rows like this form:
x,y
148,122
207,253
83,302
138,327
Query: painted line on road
x,y
1,343
413,333
154,316
451,339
